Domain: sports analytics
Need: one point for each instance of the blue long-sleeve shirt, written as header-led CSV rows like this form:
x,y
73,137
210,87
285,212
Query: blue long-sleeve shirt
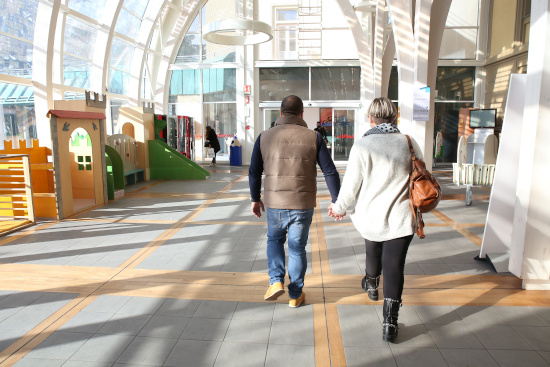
x,y
332,178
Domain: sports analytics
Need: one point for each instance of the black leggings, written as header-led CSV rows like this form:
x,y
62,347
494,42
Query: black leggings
x,y
390,256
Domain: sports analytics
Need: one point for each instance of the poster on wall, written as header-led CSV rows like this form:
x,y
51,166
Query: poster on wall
x,y
421,104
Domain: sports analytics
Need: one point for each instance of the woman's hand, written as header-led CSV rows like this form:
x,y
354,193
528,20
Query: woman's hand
x,y
335,215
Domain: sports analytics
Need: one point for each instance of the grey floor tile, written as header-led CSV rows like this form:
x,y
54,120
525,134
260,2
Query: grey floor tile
x,y
254,311
289,355
241,354
107,303
111,347
216,309
53,301
436,269
141,306
27,318
124,324
7,312
179,307
298,333
248,331
545,355
59,345
543,312
453,336
414,357
284,313
206,329
364,357
86,322
356,334
196,353
437,315
20,299
468,358
521,316
478,316
513,358
10,336
90,364
502,337
160,326
358,314
32,362
537,337
415,336
147,351
238,266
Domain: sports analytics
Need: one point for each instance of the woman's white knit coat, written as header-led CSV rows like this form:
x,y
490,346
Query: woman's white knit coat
x,y
377,178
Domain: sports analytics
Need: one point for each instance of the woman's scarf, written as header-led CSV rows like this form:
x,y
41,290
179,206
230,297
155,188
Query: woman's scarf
x,y
384,128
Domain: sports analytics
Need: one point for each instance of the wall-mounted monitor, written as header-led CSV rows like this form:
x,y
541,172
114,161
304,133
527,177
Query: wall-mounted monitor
x,y
483,118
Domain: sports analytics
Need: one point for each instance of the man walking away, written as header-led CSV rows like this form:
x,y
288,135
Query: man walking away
x,y
288,154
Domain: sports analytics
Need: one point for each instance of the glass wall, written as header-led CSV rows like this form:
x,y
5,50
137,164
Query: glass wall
x,y
222,117
18,119
461,31
327,83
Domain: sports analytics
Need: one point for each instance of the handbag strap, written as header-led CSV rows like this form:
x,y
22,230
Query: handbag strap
x,y
411,148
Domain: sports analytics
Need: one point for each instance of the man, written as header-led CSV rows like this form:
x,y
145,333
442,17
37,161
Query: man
x,y
288,154
321,130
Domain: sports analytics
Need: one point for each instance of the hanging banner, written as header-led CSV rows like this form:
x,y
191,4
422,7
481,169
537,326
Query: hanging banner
x,y
421,104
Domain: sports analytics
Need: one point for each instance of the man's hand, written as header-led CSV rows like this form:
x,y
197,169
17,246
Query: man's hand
x,y
257,208
334,215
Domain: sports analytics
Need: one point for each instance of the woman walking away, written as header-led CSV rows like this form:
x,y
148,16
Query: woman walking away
x,y
213,142
377,176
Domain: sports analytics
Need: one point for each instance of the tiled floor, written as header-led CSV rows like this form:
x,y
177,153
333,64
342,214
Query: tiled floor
x,y
174,273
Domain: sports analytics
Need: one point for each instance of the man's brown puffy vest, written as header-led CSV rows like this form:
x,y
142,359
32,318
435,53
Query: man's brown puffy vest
x,y
289,153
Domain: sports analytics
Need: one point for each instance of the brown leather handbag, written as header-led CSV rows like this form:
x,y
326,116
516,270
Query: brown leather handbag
x,y
424,191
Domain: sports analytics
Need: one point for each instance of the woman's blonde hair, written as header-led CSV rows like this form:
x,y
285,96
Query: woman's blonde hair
x,y
382,110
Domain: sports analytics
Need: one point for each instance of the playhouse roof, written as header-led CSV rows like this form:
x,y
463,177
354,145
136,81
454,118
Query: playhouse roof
x,y
76,114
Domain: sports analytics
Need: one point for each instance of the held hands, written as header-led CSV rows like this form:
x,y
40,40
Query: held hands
x,y
334,215
257,208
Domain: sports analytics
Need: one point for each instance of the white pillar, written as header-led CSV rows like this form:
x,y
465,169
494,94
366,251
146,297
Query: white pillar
x,y
530,251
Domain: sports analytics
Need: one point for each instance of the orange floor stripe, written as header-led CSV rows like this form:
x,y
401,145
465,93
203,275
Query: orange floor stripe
x,y
320,332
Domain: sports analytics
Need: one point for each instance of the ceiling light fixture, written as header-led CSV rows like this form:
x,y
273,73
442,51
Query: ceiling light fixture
x,y
229,32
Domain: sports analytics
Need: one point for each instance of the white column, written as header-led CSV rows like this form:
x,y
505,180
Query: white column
x,y
44,36
530,251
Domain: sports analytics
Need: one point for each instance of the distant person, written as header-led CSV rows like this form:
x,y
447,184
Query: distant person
x,y
288,154
212,142
321,130
377,179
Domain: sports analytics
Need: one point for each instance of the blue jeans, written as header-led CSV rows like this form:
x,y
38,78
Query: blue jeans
x,y
296,223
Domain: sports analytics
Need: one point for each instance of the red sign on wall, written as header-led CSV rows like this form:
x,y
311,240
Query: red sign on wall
x,y
247,99
246,89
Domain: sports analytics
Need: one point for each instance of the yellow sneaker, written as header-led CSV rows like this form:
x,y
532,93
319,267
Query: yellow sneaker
x,y
274,291
296,302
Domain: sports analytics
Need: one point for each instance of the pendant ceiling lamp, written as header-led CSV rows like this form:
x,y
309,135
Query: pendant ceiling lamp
x,y
365,6
237,32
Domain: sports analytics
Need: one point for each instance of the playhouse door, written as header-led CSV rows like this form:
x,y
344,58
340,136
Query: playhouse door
x,y
82,170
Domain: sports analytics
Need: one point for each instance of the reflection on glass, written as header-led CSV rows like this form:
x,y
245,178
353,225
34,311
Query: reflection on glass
x,y
278,83
115,107
79,38
17,114
271,117
344,129
335,83
127,24
446,121
16,57
136,6
455,83
90,8
460,43
190,49
219,85
121,55
119,82
18,18
222,118
76,72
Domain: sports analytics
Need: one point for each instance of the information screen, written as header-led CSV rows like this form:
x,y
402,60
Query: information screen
x,y
483,118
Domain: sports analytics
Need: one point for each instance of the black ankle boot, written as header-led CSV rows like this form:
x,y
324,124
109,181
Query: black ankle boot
x,y
370,285
391,313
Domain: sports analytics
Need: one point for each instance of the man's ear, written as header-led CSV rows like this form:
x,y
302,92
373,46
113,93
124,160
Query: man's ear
x,y
281,113
302,115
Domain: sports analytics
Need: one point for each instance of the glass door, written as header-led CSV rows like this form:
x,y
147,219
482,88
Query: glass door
x,y
343,133
270,116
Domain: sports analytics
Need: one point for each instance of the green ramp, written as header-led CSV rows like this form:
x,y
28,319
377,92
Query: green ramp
x,y
165,163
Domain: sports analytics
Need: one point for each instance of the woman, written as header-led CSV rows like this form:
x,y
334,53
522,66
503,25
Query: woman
x,y
377,177
213,142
